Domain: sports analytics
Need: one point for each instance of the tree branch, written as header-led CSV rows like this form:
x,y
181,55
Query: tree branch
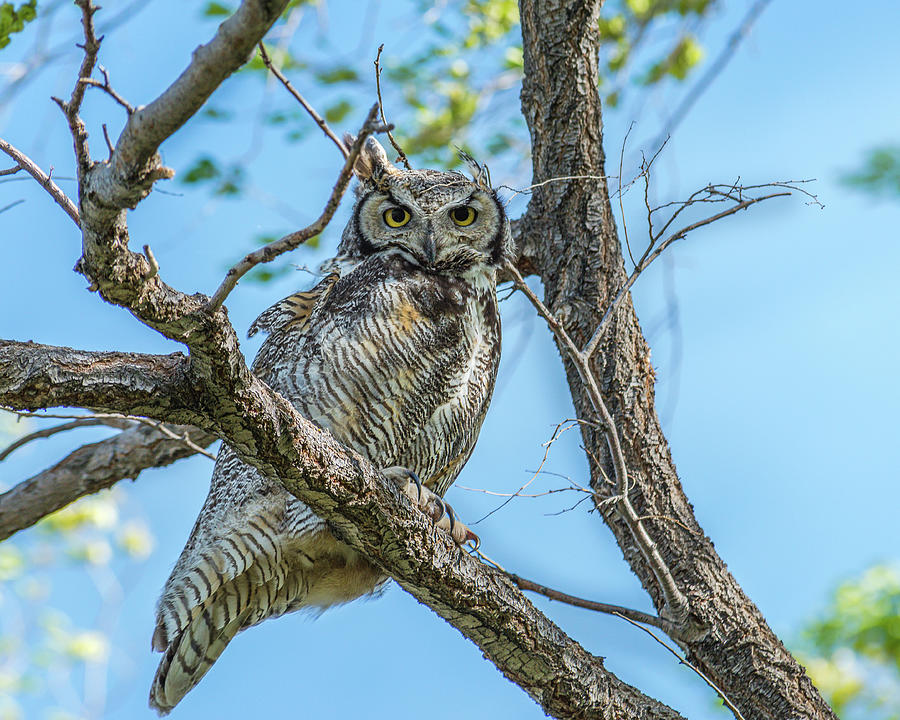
x,y
365,510
292,241
34,376
29,166
95,467
578,256
319,120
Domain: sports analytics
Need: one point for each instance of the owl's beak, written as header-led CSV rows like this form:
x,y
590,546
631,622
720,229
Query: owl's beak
x,y
428,246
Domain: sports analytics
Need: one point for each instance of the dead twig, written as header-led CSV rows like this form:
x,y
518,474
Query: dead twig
x,y
111,418
43,179
397,147
683,661
87,421
71,108
655,248
289,242
320,121
627,613
560,429
107,88
676,603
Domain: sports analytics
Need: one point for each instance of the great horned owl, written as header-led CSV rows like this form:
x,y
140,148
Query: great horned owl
x,y
395,353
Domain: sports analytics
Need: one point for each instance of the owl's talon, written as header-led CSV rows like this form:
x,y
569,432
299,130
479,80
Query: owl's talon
x,y
415,478
451,515
432,504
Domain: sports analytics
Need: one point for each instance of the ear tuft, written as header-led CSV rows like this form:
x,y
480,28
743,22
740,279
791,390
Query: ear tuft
x,y
480,173
372,162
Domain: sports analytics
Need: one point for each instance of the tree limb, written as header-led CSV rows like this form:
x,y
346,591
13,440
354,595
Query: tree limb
x,y
365,510
92,468
43,179
578,256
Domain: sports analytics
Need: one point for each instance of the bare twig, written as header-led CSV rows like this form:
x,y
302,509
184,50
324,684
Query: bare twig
x,y
269,252
106,87
109,146
87,421
397,147
29,166
683,661
627,613
71,108
655,249
114,420
560,429
11,205
10,171
320,121
676,603
562,178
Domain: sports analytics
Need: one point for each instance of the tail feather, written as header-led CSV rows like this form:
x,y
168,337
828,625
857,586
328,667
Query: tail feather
x,y
246,601
238,551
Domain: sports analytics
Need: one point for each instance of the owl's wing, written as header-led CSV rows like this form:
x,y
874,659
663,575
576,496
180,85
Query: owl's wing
x,y
240,566
295,309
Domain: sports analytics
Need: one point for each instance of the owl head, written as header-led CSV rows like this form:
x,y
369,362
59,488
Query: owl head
x,y
444,222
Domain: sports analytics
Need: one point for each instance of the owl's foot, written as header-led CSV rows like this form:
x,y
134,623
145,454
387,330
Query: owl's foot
x,y
432,505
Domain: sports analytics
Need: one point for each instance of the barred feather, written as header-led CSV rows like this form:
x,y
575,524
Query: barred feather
x,y
397,360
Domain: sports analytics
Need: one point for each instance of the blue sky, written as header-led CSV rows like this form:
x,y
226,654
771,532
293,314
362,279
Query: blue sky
x,y
778,392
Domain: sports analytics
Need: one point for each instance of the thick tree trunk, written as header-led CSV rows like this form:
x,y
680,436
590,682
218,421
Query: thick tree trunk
x,y
570,238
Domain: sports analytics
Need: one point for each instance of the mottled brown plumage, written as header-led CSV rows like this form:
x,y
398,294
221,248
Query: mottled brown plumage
x,y
395,352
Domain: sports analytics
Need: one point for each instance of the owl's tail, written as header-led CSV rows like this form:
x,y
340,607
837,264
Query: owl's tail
x,y
246,600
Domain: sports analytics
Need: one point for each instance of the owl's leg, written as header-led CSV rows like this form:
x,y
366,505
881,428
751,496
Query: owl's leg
x,y
432,505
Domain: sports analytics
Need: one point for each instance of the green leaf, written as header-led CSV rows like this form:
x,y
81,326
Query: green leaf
x,y
338,111
217,114
214,9
880,173
13,20
204,168
341,73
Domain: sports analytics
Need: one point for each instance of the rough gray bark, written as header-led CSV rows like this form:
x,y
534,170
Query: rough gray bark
x,y
214,389
92,468
569,239
364,510
573,246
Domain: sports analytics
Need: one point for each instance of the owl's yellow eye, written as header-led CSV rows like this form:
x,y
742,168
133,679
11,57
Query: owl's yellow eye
x,y
463,216
396,217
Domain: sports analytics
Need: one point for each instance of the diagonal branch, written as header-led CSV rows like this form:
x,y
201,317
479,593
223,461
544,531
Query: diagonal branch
x,y
319,120
365,510
44,180
294,240
95,467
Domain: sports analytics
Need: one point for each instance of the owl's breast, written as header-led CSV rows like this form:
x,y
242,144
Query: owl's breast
x,y
400,365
